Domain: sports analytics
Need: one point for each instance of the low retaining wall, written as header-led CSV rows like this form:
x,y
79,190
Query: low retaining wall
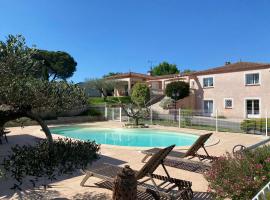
x,y
59,120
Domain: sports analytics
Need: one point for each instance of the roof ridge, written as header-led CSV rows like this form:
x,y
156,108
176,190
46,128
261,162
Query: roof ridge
x,y
237,66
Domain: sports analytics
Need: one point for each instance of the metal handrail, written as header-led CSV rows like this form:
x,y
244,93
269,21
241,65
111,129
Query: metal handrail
x,y
262,193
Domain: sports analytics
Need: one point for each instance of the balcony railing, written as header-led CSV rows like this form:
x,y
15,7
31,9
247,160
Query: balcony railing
x,y
156,91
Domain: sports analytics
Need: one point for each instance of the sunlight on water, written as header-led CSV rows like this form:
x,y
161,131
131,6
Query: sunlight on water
x,y
127,137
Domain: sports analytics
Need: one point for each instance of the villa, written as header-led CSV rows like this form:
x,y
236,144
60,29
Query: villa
x,y
238,90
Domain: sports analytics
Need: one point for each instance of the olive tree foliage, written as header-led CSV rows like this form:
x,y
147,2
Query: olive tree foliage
x,y
104,86
177,90
16,59
138,108
23,91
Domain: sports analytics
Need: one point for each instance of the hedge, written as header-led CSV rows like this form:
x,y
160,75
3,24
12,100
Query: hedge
x,y
255,125
240,177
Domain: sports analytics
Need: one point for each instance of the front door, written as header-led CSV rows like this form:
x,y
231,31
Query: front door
x,y
208,107
253,108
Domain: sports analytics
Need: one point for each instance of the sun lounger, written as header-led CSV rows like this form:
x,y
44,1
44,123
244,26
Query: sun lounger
x,y
190,153
162,186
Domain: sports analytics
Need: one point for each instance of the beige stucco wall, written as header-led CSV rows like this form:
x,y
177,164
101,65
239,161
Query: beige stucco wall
x,y
129,82
232,85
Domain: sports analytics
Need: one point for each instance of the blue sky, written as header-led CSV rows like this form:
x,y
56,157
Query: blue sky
x,y
123,35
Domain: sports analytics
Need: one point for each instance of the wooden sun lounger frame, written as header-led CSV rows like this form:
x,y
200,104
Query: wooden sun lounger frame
x,y
191,153
147,171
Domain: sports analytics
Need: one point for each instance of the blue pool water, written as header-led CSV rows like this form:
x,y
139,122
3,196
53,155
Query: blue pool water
x,y
127,137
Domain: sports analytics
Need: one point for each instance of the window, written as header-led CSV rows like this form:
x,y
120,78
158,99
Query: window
x,y
208,82
252,107
208,106
253,79
228,103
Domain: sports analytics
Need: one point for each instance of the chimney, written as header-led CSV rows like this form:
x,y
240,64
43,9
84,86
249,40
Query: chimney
x,y
227,63
150,72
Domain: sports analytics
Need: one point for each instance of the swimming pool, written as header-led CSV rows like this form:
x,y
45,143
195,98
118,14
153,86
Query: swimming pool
x,y
126,137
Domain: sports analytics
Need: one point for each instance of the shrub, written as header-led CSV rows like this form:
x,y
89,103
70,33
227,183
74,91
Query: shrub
x,y
267,194
241,177
221,117
180,87
255,125
40,160
186,115
96,100
92,112
140,94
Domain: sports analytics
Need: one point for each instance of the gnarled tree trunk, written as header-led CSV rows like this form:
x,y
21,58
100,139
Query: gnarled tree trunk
x,y
9,113
43,125
136,121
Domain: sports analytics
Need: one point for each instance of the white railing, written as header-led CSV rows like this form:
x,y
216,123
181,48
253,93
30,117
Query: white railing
x,y
194,119
157,91
263,192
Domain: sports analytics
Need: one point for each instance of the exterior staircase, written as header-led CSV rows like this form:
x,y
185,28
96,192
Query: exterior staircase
x,y
155,99
156,107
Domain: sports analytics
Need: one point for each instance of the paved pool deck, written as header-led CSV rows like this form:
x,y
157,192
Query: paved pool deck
x,y
68,187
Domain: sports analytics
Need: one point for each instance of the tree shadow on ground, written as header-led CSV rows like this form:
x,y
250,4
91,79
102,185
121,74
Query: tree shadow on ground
x,y
146,196
92,196
40,194
37,194
7,182
22,139
29,192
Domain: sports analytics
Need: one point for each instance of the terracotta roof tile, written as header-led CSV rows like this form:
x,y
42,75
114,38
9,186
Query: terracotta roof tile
x,y
234,67
129,74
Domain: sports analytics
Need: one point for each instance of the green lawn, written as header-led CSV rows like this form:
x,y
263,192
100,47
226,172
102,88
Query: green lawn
x,y
109,100
184,125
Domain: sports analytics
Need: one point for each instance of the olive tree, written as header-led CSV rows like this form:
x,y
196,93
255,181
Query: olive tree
x,y
23,91
138,108
103,85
